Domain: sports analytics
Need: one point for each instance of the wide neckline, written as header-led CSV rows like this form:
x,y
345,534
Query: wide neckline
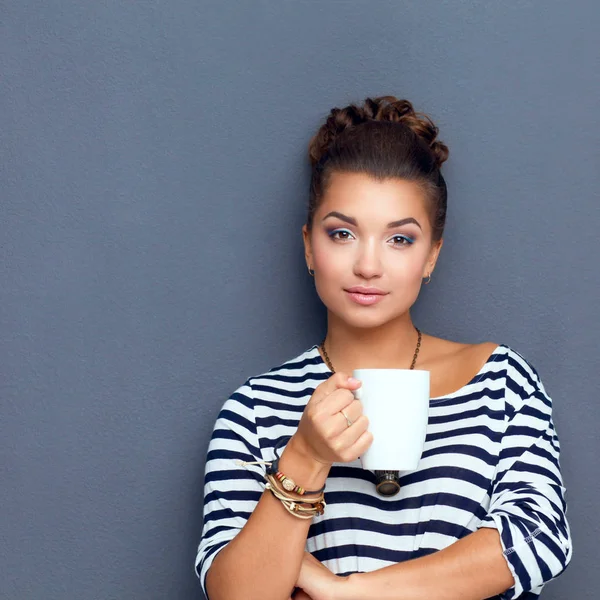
x,y
491,359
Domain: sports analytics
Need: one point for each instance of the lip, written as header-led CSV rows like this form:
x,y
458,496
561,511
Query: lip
x,y
359,289
365,299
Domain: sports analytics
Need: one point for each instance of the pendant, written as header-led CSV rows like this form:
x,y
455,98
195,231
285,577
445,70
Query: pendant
x,y
387,483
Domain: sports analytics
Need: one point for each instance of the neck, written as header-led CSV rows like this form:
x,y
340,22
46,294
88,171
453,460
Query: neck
x,y
390,346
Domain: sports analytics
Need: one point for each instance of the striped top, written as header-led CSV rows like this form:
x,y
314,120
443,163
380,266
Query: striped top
x,y
491,459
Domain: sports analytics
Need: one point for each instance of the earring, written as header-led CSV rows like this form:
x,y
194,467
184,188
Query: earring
x,y
428,279
311,272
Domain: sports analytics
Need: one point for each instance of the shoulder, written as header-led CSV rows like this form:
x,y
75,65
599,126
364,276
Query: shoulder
x,y
453,364
305,364
443,350
469,357
282,389
276,393
525,394
524,391
288,378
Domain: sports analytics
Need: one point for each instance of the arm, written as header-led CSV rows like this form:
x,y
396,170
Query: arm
x,y
528,506
271,538
524,540
472,568
260,545
246,529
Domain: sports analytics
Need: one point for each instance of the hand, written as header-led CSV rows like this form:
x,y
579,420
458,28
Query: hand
x,y
317,581
323,433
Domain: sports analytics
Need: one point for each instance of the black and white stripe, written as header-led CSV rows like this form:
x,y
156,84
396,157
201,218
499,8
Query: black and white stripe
x,y
491,459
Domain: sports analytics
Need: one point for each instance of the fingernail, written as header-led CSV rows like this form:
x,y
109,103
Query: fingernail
x,y
353,380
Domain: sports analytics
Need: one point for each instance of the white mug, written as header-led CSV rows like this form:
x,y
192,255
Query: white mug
x,y
396,402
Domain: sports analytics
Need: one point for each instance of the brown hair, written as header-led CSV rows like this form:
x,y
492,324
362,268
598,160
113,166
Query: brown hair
x,y
384,138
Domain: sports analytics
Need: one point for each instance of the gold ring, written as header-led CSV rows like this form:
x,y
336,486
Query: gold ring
x,y
347,419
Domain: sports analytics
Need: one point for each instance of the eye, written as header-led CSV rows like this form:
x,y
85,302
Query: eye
x,y
340,234
402,240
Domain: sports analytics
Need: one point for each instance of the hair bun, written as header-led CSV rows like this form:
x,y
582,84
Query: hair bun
x,y
382,108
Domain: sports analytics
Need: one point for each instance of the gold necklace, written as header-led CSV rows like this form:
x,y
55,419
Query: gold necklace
x,y
412,366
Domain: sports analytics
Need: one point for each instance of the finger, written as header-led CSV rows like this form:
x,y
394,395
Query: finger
x,y
353,410
341,399
339,380
354,436
361,445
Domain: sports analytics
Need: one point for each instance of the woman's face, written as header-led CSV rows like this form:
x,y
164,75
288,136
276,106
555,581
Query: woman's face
x,y
370,234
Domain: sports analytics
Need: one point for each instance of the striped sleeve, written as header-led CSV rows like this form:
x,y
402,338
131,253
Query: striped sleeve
x,y
231,491
528,506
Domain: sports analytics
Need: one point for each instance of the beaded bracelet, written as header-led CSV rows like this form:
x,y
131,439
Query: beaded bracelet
x,y
293,506
287,482
273,469
272,483
316,506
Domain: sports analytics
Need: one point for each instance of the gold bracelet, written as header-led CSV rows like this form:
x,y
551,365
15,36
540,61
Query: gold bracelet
x,y
284,493
312,505
273,469
295,508
315,505
293,504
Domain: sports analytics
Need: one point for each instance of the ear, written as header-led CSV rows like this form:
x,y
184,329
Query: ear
x,y
307,247
433,257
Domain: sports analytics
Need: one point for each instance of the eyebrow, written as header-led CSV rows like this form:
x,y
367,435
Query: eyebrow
x,y
352,221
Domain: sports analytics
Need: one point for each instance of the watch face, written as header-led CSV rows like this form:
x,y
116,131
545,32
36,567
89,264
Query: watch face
x,y
289,485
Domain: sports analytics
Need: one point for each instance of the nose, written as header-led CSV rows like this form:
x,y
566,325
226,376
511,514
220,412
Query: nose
x,y
368,260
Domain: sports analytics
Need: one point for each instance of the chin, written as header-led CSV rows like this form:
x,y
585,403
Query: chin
x,y
362,319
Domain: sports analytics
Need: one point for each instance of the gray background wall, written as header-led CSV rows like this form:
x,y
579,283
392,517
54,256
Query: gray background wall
x,y
153,184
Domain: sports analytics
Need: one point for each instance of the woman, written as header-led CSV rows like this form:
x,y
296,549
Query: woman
x,y
484,514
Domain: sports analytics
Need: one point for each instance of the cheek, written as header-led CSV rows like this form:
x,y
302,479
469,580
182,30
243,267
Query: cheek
x,y
407,267
326,259
417,266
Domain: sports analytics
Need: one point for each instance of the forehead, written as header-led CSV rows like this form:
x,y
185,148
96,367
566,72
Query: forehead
x,y
360,195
